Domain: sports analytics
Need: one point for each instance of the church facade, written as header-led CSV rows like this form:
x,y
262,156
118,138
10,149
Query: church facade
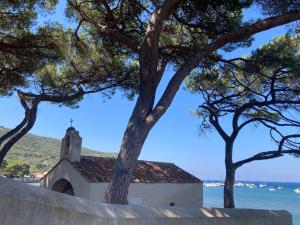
x,y
153,183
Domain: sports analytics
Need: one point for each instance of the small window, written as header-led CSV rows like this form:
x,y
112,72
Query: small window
x,y
172,204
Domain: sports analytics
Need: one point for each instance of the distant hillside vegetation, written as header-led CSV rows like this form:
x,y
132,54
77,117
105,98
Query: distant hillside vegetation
x,y
41,153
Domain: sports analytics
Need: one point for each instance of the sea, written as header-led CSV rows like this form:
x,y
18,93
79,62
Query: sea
x,y
259,197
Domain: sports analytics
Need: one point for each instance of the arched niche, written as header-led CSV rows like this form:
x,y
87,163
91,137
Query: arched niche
x,y
63,186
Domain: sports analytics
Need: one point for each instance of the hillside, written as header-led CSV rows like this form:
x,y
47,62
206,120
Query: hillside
x,y
41,153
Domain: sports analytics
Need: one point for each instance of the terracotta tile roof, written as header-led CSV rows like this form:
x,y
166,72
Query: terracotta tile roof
x,y
99,169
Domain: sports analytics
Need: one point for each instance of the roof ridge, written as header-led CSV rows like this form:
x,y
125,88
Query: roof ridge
x,y
140,160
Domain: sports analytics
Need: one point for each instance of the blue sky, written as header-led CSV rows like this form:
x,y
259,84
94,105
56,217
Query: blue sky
x,y
175,137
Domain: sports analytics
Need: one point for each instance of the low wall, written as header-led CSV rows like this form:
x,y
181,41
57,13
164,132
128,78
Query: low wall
x,y
21,204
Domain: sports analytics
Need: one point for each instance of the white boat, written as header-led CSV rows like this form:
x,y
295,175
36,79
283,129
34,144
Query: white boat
x,y
239,184
262,185
213,184
272,189
252,186
297,190
280,188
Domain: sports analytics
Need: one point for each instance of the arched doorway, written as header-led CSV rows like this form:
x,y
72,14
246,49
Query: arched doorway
x,y
63,186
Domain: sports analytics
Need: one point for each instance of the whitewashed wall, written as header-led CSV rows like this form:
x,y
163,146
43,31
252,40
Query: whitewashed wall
x,y
182,195
64,170
21,204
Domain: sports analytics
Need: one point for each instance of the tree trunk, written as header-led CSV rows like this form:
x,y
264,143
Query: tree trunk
x,y
30,118
12,132
228,188
230,178
132,143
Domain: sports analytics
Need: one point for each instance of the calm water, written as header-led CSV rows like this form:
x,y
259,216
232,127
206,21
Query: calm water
x,y
259,198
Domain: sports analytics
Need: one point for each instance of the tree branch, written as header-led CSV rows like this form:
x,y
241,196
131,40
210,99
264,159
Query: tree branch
x,y
285,138
65,98
236,35
213,119
107,31
264,156
149,55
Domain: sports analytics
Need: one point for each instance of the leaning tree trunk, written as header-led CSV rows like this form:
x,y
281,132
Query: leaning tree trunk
x,y
30,119
230,178
134,137
12,132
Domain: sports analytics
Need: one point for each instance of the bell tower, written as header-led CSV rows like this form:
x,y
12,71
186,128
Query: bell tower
x,y
71,145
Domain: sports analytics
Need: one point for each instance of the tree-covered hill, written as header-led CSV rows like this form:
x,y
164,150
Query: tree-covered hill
x,y
41,153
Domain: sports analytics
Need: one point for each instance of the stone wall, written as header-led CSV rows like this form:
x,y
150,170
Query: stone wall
x,y
21,204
